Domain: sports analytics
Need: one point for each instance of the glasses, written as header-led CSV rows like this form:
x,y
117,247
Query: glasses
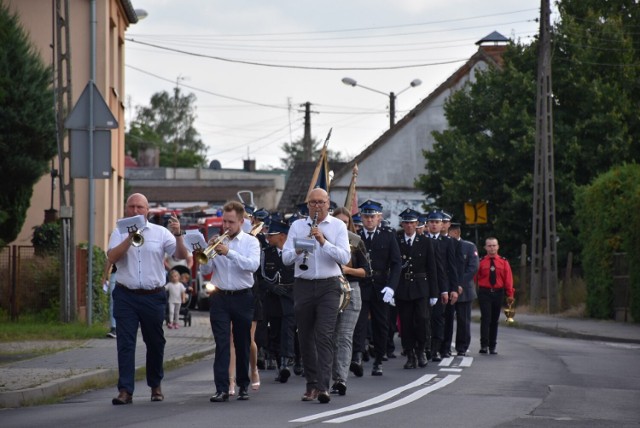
x,y
316,203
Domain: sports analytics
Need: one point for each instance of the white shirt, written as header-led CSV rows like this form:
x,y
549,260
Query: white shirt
x,y
235,270
143,267
325,260
175,290
408,238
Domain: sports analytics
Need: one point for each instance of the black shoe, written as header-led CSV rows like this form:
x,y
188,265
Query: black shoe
x,y
243,394
334,389
356,365
483,350
446,354
436,358
219,397
298,370
284,374
338,388
324,397
377,370
391,355
493,351
422,360
112,333
411,360
462,354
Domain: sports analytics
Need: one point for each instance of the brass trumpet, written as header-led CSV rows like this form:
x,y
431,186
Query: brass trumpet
x,y
136,238
257,228
510,312
208,253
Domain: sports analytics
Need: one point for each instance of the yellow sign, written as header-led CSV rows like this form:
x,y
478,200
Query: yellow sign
x,y
475,213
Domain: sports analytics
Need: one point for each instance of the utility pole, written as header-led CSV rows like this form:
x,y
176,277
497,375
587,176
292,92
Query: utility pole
x,y
544,264
62,84
307,143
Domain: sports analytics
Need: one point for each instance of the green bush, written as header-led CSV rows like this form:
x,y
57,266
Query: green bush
x,y
99,299
46,238
608,221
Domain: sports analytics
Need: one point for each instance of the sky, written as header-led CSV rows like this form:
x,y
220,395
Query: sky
x,y
252,64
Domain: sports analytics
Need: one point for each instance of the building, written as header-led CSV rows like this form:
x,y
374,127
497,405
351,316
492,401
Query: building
x,y
390,165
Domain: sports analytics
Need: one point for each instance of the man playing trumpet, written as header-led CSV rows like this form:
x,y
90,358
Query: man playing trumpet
x,y
139,296
231,304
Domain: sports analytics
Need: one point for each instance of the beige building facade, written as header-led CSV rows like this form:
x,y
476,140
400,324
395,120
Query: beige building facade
x,y
113,17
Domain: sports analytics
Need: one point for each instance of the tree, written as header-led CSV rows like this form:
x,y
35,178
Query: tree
x,y
27,123
168,125
294,152
487,152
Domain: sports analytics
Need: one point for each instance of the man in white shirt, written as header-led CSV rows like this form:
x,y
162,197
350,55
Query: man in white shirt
x,y
316,292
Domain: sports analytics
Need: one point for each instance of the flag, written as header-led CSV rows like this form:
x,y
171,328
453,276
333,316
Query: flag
x,y
351,200
320,176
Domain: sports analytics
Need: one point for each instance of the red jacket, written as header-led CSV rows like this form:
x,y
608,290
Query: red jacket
x,y
504,277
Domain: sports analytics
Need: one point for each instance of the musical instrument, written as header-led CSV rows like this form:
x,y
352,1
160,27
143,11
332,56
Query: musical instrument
x,y
345,293
208,253
136,238
510,312
257,228
303,265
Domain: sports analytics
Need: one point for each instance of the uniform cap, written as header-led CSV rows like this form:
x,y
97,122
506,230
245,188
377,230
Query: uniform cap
x,y
409,215
278,227
434,215
371,207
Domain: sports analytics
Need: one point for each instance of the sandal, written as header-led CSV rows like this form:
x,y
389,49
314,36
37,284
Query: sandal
x,y
255,380
232,386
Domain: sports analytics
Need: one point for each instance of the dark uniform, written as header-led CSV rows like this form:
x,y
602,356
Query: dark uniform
x,y
384,255
418,283
276,280
450,308
465,300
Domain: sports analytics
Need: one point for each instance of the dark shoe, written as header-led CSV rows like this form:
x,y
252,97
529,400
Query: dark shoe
x,y
446,354
422,360
310,395
219,397
377,370
384,358
462,354
284,375
123,398
391,355
156,394
298,370
356,365
483,350
339,388
411,360
324,397
112,333
436,358
365,356
243,394
493,351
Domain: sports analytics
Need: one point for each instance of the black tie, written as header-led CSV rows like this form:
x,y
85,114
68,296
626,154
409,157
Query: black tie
x,y
369,236
492,273
409,242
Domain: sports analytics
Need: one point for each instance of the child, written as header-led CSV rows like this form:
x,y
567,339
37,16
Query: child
x,y
177,295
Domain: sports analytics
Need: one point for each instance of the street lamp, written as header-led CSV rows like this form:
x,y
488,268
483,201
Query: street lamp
x,y
392,96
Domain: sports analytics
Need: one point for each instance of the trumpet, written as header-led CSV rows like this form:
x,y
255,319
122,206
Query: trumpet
x,y
304,265
208,253
136,238
257,228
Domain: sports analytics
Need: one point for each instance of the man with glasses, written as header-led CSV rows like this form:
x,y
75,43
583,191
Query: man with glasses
x,y
318,243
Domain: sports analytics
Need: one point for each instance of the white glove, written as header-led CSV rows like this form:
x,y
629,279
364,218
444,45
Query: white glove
x,y
433,301
387,294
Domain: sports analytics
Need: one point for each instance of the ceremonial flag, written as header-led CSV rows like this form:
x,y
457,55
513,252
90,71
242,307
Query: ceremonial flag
x,y
351,200
320,176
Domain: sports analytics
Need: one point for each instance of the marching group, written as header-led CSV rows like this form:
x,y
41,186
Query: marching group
x,y
323,291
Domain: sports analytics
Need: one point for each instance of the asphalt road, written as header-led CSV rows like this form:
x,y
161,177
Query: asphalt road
x,y
536,380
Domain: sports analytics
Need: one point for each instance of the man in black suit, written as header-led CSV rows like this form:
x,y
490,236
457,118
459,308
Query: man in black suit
x,y
450,309
378,290
417,288
467,291
448,284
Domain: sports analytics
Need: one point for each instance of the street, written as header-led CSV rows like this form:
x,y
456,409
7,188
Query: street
x,y
536,380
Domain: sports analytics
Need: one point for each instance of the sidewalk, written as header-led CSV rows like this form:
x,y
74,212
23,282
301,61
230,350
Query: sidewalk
x,y
84,365
94,362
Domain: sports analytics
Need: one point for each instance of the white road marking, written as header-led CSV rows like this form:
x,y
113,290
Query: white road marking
x,y
446,362
466,362
375,400
452,370
401,402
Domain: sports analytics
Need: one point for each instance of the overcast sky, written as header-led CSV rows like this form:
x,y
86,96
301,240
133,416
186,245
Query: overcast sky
x,y
252,63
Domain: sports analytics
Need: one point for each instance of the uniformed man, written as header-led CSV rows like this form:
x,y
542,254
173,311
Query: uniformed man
x,y
467,291
277,280
357,222
417,288
378,290
448,284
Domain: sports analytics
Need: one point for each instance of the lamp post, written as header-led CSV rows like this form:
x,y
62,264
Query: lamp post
x,y
392,95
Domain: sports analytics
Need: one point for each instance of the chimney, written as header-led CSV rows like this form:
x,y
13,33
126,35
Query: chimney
x,y
249,165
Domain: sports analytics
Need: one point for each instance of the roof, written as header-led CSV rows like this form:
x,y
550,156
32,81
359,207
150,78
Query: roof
x,y
490,54
132,16
215,195
297,185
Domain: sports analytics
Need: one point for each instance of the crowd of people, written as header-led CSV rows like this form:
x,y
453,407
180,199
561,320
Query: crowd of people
x,y
320,293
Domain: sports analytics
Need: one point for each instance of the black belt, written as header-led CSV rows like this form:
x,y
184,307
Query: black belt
x,y
330,279
490,289
232,292
410,275
140,291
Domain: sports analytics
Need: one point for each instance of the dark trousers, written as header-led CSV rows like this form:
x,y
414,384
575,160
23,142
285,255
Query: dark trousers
x,y
490,307
413,323
449,315
393,328
231,314
131,310
379,325
282,327
437,326
316,304
463,326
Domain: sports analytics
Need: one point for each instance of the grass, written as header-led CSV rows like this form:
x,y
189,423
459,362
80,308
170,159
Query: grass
x,y
30,327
